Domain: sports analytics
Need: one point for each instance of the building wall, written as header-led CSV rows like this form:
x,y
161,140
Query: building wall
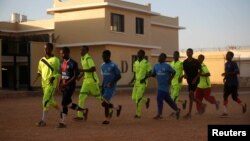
x,y
129,35
1,63
41,24
80,26
166,38
8,26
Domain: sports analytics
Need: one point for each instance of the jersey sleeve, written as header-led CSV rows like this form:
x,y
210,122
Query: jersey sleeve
x,y
170,69
236,68
56,72
117,70
90,62
149,67
39,67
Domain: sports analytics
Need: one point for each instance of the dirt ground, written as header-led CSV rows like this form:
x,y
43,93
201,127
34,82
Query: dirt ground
x,y
21,110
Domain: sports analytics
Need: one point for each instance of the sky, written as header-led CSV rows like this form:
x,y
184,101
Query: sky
x,y
208,23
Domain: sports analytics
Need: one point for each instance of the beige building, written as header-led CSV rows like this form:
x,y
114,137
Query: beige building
x,y
119,26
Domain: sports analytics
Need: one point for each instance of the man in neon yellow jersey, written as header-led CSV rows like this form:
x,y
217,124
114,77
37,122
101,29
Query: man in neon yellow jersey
x,y
48,70
203,89
142,70
176,82
90,83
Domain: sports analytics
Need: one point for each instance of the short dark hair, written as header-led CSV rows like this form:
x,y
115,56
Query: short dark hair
x,y
201,55
107,52
142,51
177,52
49,45
163,55
65,50
86,47
231,53
190,49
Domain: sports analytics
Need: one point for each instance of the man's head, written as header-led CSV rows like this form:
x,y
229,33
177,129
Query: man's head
x,y
65,53
85,50
189,53
201,58
141,55
48,48
176,55
106,55
229,55
162,58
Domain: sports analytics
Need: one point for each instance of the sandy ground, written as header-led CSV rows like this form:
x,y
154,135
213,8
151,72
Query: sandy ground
x,y
20,111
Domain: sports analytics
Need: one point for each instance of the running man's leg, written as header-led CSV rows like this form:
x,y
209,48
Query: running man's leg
x,y
172,104
82,98
140,99
199,95
235,97
48,101
226,93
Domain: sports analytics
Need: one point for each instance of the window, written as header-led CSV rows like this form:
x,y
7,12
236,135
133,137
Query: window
x,y
117,22
139,26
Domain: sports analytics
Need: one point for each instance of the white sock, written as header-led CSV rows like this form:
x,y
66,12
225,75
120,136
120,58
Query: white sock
x,y
63,117
44,117
225,109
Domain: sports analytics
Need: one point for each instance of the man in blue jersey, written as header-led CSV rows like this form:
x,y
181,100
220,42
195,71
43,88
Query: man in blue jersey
x,y
231,83
111,74
69,73
164,73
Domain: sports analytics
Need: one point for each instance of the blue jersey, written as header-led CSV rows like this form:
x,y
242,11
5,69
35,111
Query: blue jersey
x,y
163,74
68,69
110,72
231,80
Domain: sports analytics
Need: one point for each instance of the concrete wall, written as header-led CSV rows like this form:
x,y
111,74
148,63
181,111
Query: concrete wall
x,y
1,63
80,26
129,35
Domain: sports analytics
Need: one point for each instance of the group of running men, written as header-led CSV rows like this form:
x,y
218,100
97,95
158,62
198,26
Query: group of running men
x,y
62,75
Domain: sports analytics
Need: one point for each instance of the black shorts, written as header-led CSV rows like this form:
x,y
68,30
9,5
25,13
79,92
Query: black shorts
x,y
67,94
192,87
230,90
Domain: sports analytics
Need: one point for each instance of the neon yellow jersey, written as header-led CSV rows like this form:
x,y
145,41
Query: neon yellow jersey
x,y
141,69
87,63
204,81
46,73
178,67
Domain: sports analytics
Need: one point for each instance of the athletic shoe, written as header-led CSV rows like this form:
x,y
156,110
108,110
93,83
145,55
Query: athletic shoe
x,y
61,125
217,105
41,123
157,117
74,106
224,115
118,111
105,122
178,113
187,116
184,104
85,113
78,118
172,114
137,117
244,108
147,103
